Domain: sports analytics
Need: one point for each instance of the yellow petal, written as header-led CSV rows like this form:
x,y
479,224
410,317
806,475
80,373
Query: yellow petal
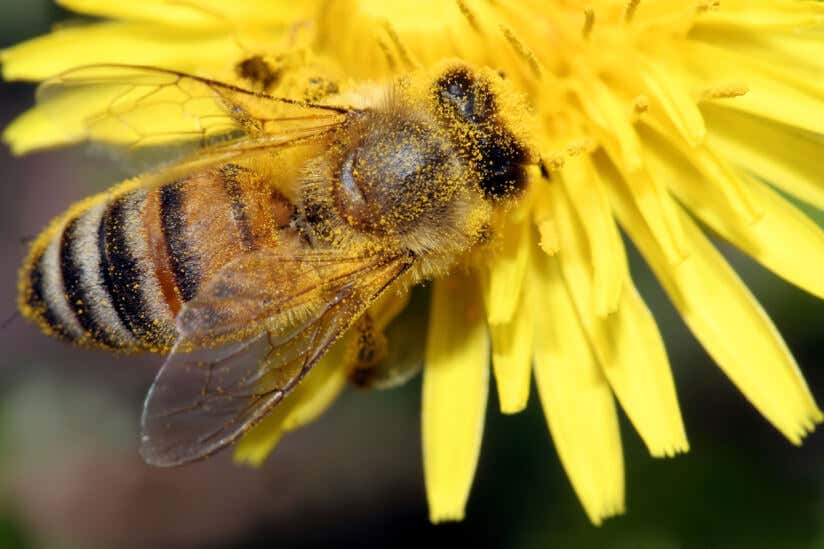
x,y
667,88
544,219
652,198
455,388
590,201
726,319
577,401
202,12
132,43
507,313
120,106
162,11
765,14
34,129
512,358
505,270
619,138
781,238
615,130
727,184
784,156
775,48
307,401
382,37
639,372
771,93
627,342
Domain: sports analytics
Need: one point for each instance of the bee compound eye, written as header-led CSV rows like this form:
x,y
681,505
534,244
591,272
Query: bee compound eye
x,y
464,96
502,169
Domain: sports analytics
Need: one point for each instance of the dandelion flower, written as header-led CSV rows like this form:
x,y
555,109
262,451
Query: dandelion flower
x,y
652,116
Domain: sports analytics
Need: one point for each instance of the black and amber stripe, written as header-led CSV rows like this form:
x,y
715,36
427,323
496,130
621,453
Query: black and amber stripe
x,y
120,270
77,294
34,298
185,262
234,191
89,283
115,270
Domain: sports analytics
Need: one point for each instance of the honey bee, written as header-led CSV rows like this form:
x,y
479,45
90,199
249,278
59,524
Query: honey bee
x,y
246,260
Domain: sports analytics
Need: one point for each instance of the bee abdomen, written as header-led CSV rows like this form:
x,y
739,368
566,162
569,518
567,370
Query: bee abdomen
x,y
115,270
89,278
80,266
185,262
38,294
128,274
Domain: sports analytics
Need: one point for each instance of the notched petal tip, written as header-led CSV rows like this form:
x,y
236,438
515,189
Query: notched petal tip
x,y
510,408
454,394
805,426
728,321
577,400
512,361
440,515
681,447
612,510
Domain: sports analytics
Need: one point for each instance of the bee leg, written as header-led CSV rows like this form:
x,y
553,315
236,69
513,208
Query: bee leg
x,y
367,353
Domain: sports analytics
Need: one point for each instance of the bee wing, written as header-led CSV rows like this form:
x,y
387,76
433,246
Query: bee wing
x,y
130,107
205,397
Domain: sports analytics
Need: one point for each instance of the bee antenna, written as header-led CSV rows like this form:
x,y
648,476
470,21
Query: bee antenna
x,y
25,240
544,171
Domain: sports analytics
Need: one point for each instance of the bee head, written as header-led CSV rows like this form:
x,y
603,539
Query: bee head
x,y
467,104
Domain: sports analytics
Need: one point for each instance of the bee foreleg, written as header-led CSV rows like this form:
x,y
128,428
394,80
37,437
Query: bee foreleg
x,y
367,353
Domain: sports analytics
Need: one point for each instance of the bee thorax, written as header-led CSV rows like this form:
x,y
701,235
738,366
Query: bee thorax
x,y
396,173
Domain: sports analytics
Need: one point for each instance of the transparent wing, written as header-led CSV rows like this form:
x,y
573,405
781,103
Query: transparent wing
x,y
205,397
274,288
143,108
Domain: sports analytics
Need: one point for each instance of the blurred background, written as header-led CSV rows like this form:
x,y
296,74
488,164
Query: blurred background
x,y
70,475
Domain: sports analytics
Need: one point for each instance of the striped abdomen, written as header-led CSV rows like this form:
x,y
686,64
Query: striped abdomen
x,y
115,269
